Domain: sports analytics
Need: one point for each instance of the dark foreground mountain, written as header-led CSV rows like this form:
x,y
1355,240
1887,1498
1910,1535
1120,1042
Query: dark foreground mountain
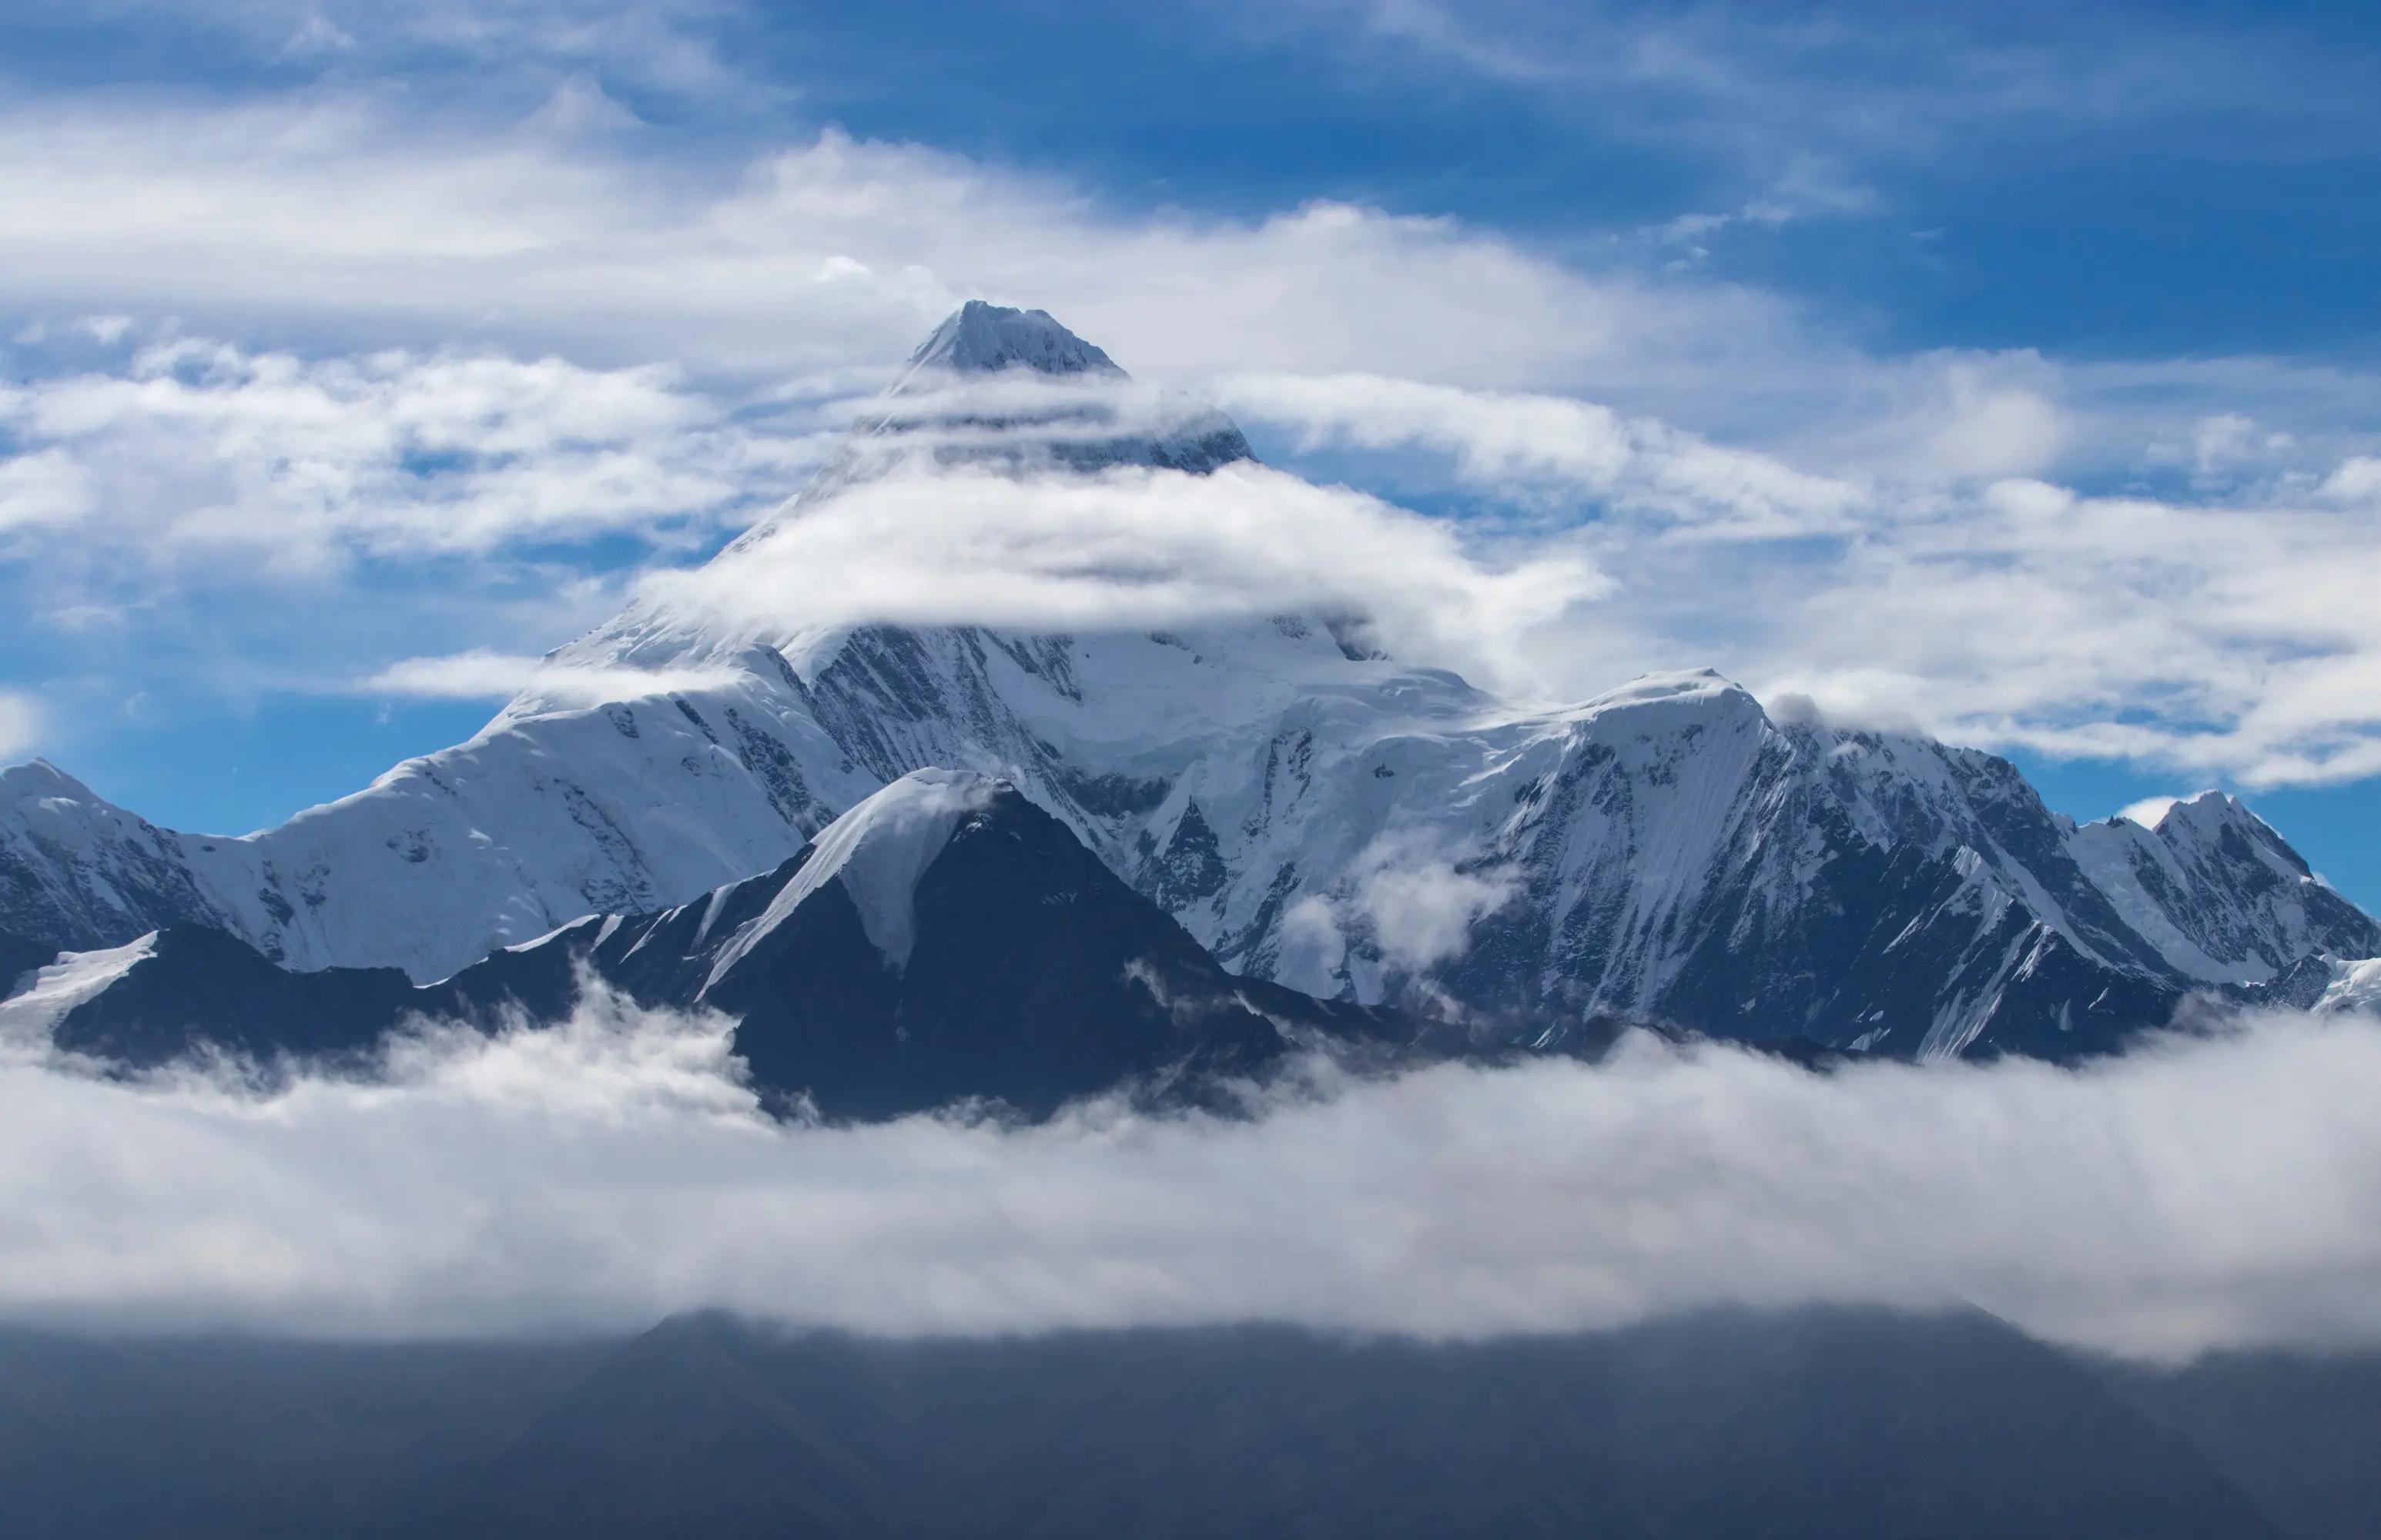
x,y
1822,1424
944,940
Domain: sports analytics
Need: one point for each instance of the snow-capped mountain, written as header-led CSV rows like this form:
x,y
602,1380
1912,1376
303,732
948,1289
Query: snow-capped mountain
x,y
1013,390
2216,890
944,940
1316,814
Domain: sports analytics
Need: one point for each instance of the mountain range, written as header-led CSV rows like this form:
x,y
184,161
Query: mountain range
x,y
944,941
1802,1424
1265,810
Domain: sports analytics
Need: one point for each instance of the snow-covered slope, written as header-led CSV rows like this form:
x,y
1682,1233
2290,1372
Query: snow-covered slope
x,y
944,940
48,994
77,872
877,852
1314,813
2216,891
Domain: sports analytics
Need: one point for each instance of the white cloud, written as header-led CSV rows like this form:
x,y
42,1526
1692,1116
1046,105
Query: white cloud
x,y
1126,549
105,330
44,486
191,447
480,675
1423,913
2234,633
2222,440
2232,637
1998,432
2357,480
22,722
347,217
2149,812
1808,186
666,45
1405,904
1515,442
2205,1193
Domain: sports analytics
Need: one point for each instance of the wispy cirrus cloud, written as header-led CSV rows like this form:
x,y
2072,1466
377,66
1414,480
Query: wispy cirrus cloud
x,y
1870,83
677,48
1517,443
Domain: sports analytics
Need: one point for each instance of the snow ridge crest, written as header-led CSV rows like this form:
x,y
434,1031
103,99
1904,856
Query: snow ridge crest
x,y
879,850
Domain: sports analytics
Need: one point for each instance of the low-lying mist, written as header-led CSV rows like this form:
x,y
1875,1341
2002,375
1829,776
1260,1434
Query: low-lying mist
x,y
2204,1191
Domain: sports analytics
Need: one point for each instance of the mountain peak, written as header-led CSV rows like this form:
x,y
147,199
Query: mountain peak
x,y
980,339
40,778
2209,806
1686,693
2209,818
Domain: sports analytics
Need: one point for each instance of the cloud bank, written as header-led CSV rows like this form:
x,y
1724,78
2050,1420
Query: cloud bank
x,y
347,214
1128,549
186,447
2206,1193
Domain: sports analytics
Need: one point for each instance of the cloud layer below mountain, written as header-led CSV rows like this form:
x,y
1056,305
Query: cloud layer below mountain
x,y
2205,1192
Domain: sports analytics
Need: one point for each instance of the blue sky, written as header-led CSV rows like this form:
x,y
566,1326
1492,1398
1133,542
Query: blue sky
x,y
2066,323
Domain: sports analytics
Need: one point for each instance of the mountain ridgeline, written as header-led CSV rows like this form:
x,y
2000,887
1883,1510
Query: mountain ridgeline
x,y
944,941
1819,1423
1204,820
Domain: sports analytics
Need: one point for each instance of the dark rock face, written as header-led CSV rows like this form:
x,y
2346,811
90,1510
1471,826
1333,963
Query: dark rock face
x,y
1865,892
18,957
1036,977
200,987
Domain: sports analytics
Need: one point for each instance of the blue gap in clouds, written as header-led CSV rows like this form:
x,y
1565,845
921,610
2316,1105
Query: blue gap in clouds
x,y
2155,256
